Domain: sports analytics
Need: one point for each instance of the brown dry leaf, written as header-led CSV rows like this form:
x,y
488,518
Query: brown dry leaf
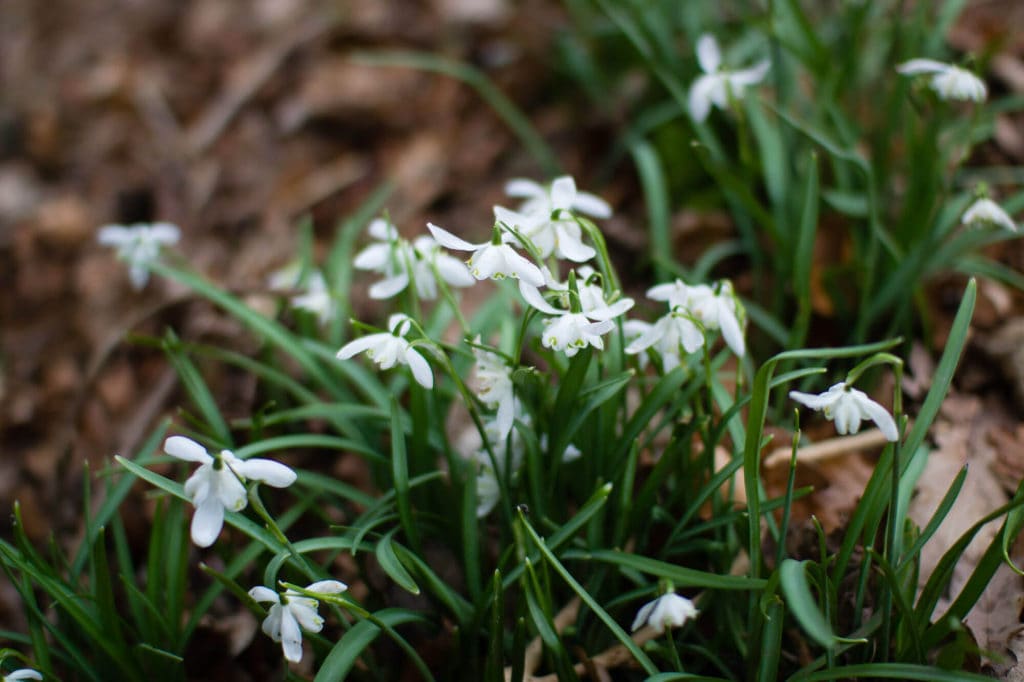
x,y
1006,345
963,436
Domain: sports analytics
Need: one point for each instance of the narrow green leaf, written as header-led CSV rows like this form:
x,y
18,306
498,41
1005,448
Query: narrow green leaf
x,y
385,553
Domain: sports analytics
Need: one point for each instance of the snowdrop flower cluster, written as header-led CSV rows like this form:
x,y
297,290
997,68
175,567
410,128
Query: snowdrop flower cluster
x,y
390,348
717,85
292,612
949,82
984,212
693,310
219,484
139,245
848,407
401,262
667,611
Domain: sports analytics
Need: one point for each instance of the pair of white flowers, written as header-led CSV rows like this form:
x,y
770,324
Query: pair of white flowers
x,y
693,311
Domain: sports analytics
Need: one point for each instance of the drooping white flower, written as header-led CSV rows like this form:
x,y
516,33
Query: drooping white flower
x,y
716,85
317,299
490,260
714,307
219,484
402,262
495,388
667,611
670,332
390,348
139,245
292,612
848,407
570,331
984,211
948,81
562,237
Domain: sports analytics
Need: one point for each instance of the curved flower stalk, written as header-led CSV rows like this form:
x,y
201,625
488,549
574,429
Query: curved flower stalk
x,y
139,245
717,85
390,348
292,612
490,260
667,611
949,82
219,484
985,212
575,328
546,217
848,407
402,262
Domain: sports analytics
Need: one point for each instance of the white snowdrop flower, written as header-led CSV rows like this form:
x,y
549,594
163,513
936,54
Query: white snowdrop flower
x,y
562,237
292,612
389,348
716,85
139,245
402,262
570,331
847,407
495,388
22,674
590,295
667,611
670,333
948,81
317,299
219,484
490,260
560,195
984,211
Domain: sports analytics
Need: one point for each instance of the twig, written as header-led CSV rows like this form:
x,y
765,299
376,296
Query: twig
x,y
827,449
534,650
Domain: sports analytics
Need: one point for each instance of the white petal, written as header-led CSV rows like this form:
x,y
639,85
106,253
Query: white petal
x,y
399,323
327,587
453,271
916,66
291,636
592,205
708,55
306,616
523,269
272,623
197,487
732,332
361,344
207,521
264,594
449,240
642,615
521,187
114,235
563,193
165,233
755,74
572,247
819,401
186,449
532,296
23,674
420,368
267,471
374,257
386,288
382,230
701,94
883,420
